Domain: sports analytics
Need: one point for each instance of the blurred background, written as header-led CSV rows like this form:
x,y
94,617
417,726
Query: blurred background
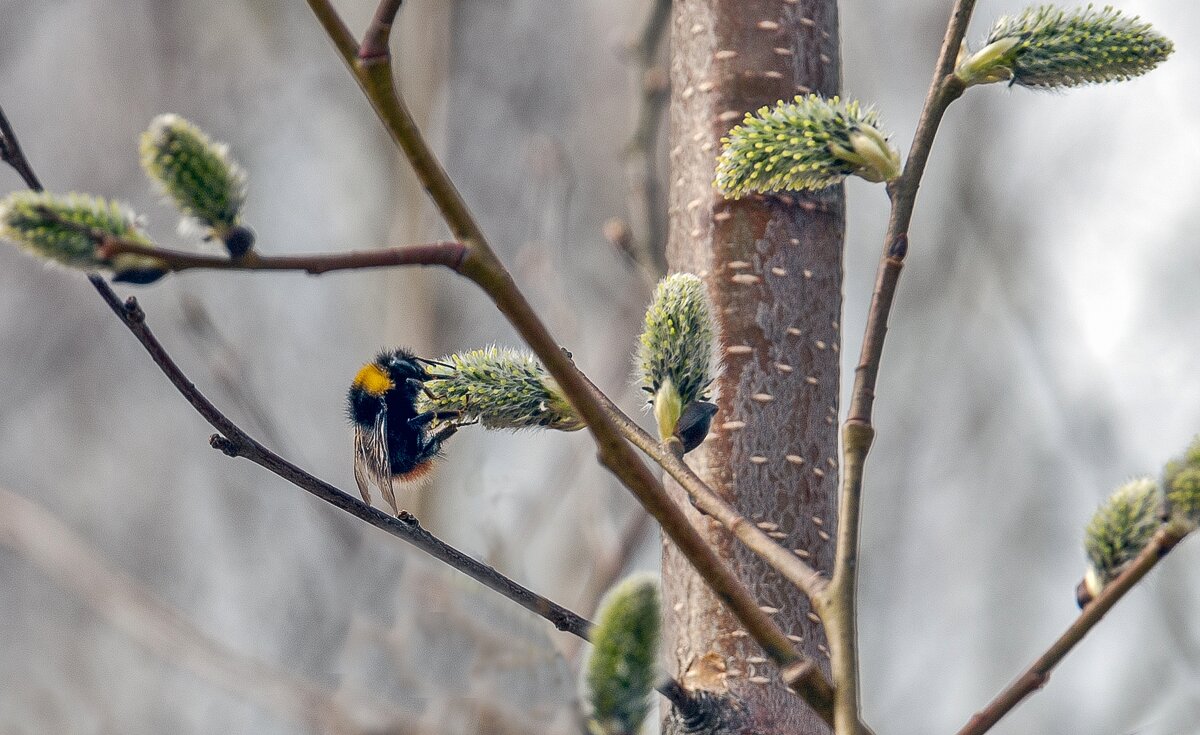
x,y
1043,350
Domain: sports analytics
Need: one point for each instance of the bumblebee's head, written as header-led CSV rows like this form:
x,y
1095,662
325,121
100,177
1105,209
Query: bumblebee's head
x,y
400,366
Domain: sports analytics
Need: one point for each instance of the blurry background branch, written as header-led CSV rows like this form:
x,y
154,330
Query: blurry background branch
x,y
39,537
646,243
448,254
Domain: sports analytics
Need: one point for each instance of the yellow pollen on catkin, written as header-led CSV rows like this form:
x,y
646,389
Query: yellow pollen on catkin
x,y
372,379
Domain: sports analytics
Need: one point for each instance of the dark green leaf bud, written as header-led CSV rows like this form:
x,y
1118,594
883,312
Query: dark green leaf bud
x,y
623,664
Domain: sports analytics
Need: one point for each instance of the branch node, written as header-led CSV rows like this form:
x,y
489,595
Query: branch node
x,y
225,446
857,435
899,247
133,311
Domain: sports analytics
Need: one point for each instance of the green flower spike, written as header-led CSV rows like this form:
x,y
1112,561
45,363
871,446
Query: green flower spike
x,y
811,143
623,665
501,388
1181,481
200,177
68,230
1117,533
1050,48
675,357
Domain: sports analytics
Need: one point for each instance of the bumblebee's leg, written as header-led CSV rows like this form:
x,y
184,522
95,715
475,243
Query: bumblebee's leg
x,y
420,421
431,443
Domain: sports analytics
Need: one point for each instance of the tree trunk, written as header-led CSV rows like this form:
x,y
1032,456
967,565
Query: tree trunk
x,y
773,266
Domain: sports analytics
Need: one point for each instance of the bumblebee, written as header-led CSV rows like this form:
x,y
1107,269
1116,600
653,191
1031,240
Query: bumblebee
x,y
394,444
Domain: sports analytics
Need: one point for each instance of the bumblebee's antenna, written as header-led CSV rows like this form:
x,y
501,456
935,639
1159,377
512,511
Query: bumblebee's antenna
x,y
433,362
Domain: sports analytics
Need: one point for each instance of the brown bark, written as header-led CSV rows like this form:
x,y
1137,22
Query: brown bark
x,y
773,266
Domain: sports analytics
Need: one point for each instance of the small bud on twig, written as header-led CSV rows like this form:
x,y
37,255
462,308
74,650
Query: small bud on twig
x,y
1048,47
621,669
675,356
811,143
1118,531
200,177
71,229
502,388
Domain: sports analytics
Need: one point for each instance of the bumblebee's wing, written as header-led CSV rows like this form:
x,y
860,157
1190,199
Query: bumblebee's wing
x,y
389,494
371,466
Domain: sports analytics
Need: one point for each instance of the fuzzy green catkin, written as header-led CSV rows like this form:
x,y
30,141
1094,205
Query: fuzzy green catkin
x,y
1047,47
199,175
1119,530
502,388
66,229
675,353
1181,482
623,664
810,143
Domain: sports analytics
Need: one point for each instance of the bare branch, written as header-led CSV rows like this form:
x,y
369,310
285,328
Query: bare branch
x,y
448,254
1038,674
335,28
858,432
11,153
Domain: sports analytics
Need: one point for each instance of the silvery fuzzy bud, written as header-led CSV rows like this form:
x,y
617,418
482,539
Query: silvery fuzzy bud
x,y
623,664
1181,482
69,229
502,388
1118,532
811,143
675,356
1047,47
199,176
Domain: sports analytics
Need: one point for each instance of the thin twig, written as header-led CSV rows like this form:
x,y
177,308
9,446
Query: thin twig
x,y
64,556
235,442
375,40
448,254
1038,674
11,153
481,265
857,433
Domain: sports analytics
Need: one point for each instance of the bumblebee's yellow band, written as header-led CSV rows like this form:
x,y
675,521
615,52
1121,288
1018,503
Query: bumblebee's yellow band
x,y
372,379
